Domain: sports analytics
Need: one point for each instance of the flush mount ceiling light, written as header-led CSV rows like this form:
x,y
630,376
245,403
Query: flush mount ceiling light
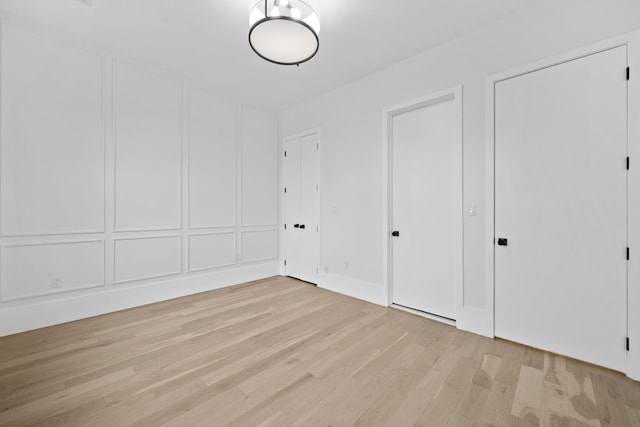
x,y
284,31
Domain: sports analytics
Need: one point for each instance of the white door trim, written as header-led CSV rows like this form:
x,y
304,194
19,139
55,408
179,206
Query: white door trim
x,y
455,94
632,41
281,236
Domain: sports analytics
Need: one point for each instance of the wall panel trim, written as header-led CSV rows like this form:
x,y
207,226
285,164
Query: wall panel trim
x,y
5,246
235,248
142,278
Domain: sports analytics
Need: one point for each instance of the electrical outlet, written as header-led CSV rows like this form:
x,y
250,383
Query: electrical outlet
x,y
56,282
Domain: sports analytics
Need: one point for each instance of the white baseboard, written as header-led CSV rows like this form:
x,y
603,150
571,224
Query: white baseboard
x,y
25,317
367,291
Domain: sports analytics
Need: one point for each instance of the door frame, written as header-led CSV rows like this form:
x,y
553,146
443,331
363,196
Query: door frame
x,y
282,241
455,94
632,42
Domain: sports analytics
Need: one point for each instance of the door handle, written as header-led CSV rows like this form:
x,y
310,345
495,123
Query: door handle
x,y
302,226
296,225
502,241
395,234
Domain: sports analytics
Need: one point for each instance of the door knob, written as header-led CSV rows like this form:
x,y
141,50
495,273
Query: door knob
x,y
302,226
395,234
296,225
502,241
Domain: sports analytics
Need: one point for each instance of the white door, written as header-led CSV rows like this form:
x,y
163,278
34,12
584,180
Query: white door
x,y
301,173
426,207
561,205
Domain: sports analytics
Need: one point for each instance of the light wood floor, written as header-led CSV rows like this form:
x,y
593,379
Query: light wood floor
x,y
278,352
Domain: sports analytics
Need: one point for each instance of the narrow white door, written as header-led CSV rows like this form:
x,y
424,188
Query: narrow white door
x,y
301,173
426,212
561,208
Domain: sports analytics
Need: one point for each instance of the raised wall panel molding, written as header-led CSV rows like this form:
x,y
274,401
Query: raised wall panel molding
x,y
208,251
148,150
143,258
211,161
259,245
259,202
147,230
52,144
30,269
159,218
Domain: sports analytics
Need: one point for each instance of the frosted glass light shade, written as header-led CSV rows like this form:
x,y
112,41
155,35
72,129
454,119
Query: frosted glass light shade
x,y
280,37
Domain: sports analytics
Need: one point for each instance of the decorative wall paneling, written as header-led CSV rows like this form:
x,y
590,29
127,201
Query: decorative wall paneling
x,y
212,168
259,169
148,138
141,258
115,175
52,117
212,250
43,268
258,245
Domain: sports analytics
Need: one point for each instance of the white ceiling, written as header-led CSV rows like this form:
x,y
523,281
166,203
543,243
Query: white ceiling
x,y
206,40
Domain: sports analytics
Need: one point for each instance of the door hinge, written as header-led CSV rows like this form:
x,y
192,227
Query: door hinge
x,y
285,226
627,343
628,161
627,254
628,73
285,262
285,190
317,146
285,153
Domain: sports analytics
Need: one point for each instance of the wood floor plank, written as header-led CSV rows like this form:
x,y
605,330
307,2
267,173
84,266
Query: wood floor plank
x,y
278,352
609,402
488,370
533,358
440,410
458,420
497,409
472,402
582,400
526,402
554,398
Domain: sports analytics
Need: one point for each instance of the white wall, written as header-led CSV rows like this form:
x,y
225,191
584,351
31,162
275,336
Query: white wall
x,y
353,182
122,185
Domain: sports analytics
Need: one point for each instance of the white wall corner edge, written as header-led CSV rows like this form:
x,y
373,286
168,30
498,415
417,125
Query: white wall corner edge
x,y
476,320
361,289
27,317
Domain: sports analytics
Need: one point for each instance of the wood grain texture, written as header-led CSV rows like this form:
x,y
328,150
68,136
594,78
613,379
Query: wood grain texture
x,y
279,352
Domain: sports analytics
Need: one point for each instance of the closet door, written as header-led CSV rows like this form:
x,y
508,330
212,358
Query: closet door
x,y
561,208
301,173
426,211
